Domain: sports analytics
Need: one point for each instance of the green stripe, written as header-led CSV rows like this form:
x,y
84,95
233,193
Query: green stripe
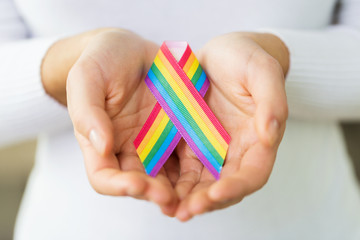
x,y
197,75
158,143
186,114
169,126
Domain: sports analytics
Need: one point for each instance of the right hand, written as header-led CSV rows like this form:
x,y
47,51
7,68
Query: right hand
x,y
108,102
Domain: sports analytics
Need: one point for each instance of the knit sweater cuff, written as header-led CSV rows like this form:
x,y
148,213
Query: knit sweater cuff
x,y
25,108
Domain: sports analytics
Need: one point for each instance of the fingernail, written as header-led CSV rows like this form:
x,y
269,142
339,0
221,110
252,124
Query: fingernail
x,y
96,141
273,130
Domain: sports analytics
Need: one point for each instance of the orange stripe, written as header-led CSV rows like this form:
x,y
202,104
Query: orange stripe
x,y
151,131
193,101
189,62
156,122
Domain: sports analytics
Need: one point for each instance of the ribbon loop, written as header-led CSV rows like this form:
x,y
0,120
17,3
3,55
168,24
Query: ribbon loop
x,y
179,84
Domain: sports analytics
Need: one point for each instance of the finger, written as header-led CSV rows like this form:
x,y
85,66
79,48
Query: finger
x,y
194,204
266,85
197,202
160,191
131,162
190,170
187,180
172,169
182,212
232,189
163,176
134,184
169,209
253,173
86,104
107,178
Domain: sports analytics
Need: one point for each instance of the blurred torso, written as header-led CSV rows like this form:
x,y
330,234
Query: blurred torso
x,y
309,196
194,21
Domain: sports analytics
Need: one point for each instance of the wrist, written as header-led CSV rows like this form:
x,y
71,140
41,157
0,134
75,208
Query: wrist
x,y
58,61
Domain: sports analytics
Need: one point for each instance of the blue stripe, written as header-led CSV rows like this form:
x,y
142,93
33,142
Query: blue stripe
x,y
183,121
201,81
169,138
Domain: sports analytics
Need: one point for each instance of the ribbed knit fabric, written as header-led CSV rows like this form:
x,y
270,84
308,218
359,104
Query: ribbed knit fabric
x,y
323,82
25,109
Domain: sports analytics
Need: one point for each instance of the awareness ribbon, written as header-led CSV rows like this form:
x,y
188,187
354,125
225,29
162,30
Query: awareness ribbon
x,y
179,84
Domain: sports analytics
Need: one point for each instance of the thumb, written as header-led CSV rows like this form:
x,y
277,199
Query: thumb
x,y
266,83
86,104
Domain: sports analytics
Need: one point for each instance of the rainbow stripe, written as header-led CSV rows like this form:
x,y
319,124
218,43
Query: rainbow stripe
x,y
179,87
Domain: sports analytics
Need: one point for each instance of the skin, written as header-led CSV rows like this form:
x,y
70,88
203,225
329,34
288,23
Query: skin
x,y
100,76
248,97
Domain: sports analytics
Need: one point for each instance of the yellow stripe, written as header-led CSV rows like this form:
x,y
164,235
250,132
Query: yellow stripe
x,y
193,69
154,137
189,106
189,62
201,112
144,143
151,131
190,75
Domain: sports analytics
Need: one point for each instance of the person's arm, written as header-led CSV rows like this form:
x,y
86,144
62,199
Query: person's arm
x,y
323,82
25,109
324,76
60,58
33,85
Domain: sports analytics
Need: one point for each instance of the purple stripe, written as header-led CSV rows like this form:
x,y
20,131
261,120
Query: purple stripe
x,y
176,139
166,155
204,87
181,129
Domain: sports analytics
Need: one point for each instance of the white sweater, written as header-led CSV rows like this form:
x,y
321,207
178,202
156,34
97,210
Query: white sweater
x,y
312,193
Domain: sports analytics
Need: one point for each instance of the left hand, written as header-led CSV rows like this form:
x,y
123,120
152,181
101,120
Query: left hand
x,y
108,101
247,94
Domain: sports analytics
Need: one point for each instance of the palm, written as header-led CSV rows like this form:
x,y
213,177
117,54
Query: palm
x,y
128,117
236,113
106,89
230,70
110,73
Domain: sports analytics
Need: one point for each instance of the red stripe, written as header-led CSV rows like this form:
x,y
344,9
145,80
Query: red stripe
x,y
185,56
195,93
147,125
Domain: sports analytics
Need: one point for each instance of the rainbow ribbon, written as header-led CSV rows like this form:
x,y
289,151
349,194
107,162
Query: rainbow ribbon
x,y
179,84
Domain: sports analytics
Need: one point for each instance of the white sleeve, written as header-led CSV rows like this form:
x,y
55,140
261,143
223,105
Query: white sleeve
x,y
25,109
323,81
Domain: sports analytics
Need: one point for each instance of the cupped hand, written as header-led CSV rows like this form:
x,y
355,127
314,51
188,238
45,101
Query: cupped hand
x,y
108,102
247,95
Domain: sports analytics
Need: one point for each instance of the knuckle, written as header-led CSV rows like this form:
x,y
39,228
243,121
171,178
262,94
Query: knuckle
x,y
77,119
270,62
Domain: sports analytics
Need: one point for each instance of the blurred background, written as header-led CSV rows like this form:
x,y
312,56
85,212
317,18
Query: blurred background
x,y
16,162
15,165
